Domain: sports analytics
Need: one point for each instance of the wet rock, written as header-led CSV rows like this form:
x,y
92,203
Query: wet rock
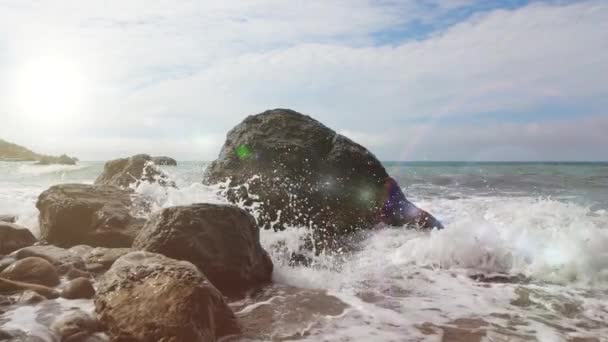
x,y
78,288
127,172
100,259
32,270
301,173
223,241
62,258
8,218
12,286
95,215
13,237
149,297
77,326
164,161
73,273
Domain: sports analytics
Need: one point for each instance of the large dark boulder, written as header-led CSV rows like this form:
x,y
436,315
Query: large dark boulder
x,y
162,160
298,172
95,215
127,172
223,241
14,237
149,297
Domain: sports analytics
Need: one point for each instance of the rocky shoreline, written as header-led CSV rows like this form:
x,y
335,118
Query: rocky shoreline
x,y
184,273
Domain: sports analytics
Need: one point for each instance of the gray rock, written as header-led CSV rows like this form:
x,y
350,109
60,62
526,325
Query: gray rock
x,y
164,161
144,290
223,241
95,215
13,237
299,172
127,172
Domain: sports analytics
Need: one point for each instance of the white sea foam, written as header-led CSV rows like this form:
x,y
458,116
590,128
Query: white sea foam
x,y
33,169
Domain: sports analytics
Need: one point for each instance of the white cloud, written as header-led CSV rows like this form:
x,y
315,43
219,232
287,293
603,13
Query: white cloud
x,y
162,72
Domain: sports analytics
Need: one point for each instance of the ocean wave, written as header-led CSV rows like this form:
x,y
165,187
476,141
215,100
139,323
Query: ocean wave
x,y
33,169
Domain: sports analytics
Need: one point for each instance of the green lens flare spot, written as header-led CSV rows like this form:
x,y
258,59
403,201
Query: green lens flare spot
x,y
243,152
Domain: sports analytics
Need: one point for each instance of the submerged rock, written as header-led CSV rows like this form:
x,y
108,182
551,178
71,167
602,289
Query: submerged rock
x,y
9,286
299,172
8,218
13,237
95,215
76,326
284,313
149,297
164,161
132,171
223,241
32,270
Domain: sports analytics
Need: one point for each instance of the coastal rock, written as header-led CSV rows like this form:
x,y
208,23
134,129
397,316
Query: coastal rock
x,y
301,173
99,259
162,160
95,215
223,241
8,218
61,160
61,258
13,237
32,270
144,290
78,288
126,172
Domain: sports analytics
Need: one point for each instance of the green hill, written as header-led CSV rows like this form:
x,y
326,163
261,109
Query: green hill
x,y
10,151
14,152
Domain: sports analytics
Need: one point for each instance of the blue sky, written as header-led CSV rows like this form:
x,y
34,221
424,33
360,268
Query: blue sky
x,y
410,79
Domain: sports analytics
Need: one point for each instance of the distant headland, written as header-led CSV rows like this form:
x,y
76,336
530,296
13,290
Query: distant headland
x,y
14,152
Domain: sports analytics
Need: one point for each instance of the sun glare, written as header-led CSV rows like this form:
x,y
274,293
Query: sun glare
x,y
48,89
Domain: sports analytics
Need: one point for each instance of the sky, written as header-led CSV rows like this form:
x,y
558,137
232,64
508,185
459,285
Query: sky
x,y
410,80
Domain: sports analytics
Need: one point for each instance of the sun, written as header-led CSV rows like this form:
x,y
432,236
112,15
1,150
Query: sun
x,y
48,88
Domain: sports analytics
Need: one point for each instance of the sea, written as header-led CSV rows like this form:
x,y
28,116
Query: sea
x,y
523,257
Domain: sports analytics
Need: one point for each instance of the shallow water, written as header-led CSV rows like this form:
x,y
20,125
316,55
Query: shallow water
x,y
534,236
